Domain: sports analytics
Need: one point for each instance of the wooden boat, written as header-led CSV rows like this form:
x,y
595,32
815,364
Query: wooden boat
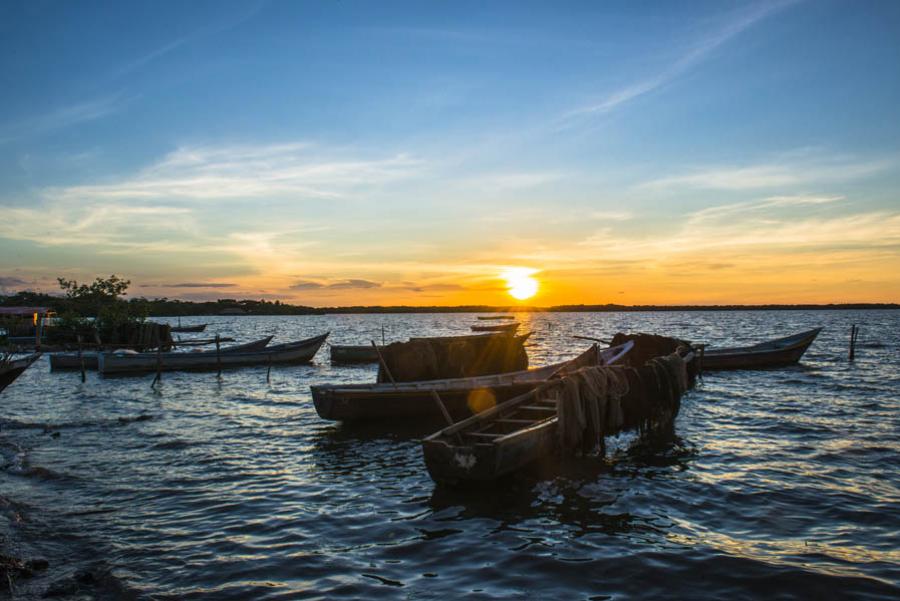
x,y
10,369
181,328
506,327
496,317
59,361
344,353
461,396
774,353
500,440
290,353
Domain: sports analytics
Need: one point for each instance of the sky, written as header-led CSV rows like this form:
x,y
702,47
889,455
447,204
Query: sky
x,y
351,152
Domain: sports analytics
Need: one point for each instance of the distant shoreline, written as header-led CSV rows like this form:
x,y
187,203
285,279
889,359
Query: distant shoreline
x,y
164,307
608,308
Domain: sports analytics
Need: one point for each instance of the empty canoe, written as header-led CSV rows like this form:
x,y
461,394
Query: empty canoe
x,y
774,353
59,361
345,353
506,327
280,354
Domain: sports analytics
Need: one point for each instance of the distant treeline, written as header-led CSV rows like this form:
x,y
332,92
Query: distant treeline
x,y
226,306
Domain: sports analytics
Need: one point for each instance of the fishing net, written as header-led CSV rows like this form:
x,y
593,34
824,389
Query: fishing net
x,y
460,357
595,402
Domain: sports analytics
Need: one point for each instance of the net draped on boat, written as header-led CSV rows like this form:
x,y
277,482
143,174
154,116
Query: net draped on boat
x,y
462,357
595,402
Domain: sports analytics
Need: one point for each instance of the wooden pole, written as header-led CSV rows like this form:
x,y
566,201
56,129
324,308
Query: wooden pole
x,y
218,356
158,377
81,359
269,370
382,334
384,364
444,412
854,333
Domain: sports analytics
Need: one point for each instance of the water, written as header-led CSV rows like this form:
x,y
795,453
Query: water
x,y
782,483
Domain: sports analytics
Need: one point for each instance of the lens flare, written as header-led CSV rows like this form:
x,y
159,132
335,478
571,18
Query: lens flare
x,y
481,399
520,283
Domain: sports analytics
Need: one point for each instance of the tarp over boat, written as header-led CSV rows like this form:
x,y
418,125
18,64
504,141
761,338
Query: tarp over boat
x,y
453,357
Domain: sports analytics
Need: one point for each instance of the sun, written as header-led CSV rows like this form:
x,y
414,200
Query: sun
x,y
520,283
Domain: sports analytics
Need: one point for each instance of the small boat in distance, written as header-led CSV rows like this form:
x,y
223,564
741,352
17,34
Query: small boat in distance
x,y
774,353
10,368
496,317
346,353
185,329
291,353
506,327
59,361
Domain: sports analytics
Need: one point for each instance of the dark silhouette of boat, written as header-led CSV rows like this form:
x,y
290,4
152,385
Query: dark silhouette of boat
x,y
10,369
774,353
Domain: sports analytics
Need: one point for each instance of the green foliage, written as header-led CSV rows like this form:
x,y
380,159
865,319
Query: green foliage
x,y
101,299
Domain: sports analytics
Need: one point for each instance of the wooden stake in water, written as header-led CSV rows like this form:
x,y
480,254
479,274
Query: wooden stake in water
x,y
269,370
218,356
81,359
158,377
854,334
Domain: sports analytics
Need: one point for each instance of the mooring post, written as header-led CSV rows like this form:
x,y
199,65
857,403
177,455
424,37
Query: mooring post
x,y
158,377
269,370
81,359
854,334
218,356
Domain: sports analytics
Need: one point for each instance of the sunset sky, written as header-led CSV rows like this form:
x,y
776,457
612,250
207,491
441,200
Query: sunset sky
x,y
335,153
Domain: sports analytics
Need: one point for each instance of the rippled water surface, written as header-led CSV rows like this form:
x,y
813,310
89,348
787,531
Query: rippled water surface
x,y
781,483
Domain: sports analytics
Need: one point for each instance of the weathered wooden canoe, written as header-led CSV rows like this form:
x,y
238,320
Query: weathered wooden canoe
x,y
59,361
10,369
461,396
506,327
280,354
501,440
774,353
181,328
346,353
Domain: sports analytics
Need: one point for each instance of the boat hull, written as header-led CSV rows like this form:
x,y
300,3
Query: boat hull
x,y
776,353
285,354
186,329
13,369
63,361
353,354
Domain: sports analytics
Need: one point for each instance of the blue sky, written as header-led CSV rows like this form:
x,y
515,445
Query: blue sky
x,y
338,152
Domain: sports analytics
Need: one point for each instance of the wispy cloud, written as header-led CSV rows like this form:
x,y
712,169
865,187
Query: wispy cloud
x,y
249,171
191,285
62,117
781,172
684,63
351,284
